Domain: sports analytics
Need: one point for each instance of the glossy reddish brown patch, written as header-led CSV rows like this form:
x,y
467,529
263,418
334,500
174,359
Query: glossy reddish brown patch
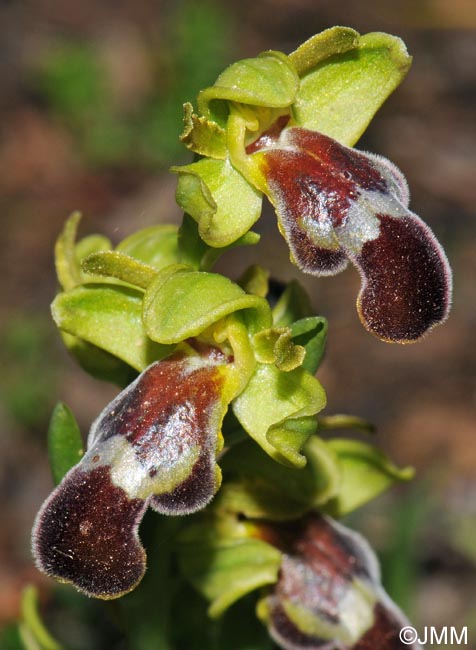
x,y
143,411
269,137
340,160
86,534
319,550
407,280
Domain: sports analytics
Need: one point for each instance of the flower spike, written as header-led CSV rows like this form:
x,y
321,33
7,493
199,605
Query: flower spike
x,y
154,444
336,204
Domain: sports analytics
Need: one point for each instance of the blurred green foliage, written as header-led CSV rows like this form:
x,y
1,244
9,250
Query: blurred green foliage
x,y
29,373
74,81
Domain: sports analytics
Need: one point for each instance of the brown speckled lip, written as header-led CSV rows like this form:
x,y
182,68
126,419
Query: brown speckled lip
x,y
406,284
86,534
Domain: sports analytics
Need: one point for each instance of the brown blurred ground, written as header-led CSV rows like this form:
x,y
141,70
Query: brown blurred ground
x,y
421,397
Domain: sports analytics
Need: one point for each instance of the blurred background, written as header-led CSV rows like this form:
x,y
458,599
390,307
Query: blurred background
x,y
90,112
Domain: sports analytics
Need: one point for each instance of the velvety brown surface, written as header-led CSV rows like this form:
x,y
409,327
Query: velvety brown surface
x,y
407,287
86,533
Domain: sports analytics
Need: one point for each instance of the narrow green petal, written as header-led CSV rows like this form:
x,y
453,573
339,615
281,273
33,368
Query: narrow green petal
x,y
340,95
66,262
114,264
323,45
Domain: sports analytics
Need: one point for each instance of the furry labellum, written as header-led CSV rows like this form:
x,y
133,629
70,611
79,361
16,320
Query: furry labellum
x,y
154,445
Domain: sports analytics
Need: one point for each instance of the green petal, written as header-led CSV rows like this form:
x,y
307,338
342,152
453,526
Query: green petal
x,y
366,472
223,568
268,80
65,445
341,94
114,264
67,265
323,45
109,317
207,190
182,303
258,487
155,245
277,409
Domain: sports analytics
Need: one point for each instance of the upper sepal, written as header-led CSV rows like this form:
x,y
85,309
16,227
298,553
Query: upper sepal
x,y
182,303
268,80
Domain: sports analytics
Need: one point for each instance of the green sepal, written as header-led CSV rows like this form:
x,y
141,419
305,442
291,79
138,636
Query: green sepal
x,y
156,246
203,136
68,269
340,95
319,47
114,264
275,345
109,317
293,304
311,334
99,363
278,410
268,80
207,190
65,445
365,473
194,252
257,487
181,303
224,567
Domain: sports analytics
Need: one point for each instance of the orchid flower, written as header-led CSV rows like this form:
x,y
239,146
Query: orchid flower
x,y
328,595
281,126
